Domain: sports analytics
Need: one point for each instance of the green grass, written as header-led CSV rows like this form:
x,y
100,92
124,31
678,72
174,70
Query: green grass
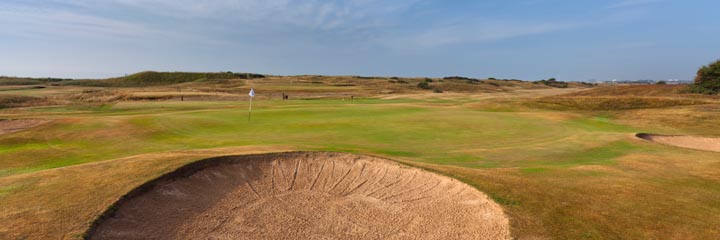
x,y
150,78
425,131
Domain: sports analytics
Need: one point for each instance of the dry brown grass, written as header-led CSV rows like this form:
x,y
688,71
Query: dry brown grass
x,y
611,103
12,101
694,120
656,90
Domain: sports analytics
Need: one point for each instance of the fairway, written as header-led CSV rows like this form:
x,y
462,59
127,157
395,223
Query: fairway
x,y
550,170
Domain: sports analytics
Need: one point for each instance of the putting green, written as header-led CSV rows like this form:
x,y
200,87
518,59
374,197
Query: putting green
x,y
434,131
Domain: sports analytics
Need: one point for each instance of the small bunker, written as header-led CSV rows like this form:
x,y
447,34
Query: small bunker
x,y
691,142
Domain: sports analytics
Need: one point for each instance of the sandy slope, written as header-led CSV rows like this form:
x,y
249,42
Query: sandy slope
x,y
303,195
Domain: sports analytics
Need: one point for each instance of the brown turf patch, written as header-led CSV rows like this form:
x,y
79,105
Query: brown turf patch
x,y
11,126
692,142
302,195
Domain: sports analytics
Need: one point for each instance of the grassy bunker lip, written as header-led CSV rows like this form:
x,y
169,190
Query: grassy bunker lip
x,y
300,195
683,141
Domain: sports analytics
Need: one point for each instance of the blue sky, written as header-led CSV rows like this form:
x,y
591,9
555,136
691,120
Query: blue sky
x,y
525,39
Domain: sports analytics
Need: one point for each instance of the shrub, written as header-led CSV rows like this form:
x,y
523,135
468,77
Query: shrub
x,y
458,78
552,82
437,90
424,85
707,80
661,83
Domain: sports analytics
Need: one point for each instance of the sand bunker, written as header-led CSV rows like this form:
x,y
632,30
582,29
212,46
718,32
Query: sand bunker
x,y
699,143
302,195
11,126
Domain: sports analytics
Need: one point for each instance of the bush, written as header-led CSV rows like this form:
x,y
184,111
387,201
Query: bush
x,y
552,82
437,90
707,80
661,83
459,78
424,85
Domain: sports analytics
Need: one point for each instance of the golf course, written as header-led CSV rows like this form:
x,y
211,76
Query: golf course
x,y
561,163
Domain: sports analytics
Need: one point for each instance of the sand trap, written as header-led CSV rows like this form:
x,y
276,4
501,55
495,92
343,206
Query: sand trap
x,y
11,126
698,143
302,195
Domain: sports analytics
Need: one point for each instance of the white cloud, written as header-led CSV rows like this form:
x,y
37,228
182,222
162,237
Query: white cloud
x,y
315,14
189,20
41,22
475,33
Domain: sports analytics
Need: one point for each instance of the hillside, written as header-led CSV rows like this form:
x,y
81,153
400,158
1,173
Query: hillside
x,y
8,81
656,90
150,78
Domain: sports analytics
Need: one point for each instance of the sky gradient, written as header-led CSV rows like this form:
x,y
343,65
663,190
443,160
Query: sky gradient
x,y
525,39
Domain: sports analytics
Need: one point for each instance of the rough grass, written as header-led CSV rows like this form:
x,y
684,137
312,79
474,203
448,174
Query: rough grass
x,y
10,101
654,90
611,103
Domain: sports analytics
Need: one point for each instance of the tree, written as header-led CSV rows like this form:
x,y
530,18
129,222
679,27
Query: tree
x,y
707,80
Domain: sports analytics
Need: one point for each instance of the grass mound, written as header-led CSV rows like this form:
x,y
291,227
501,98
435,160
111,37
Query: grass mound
x,y
151,78
611,103
7,81
9,101
632,90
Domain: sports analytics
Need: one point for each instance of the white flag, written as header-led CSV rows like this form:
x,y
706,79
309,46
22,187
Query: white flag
x,y
252,93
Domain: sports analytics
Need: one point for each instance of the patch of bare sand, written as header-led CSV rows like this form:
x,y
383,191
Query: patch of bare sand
x,y
302,195
11,126
692,142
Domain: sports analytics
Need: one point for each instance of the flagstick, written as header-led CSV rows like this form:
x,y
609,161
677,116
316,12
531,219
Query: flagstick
x,y
250,110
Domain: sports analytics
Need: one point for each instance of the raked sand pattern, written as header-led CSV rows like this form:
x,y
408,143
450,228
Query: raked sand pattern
x,y
302,195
